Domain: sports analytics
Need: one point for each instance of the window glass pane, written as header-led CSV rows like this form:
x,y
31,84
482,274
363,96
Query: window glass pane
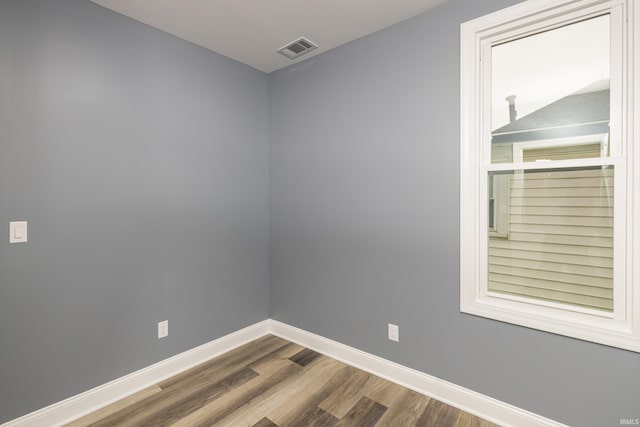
x,y
558,240
551,91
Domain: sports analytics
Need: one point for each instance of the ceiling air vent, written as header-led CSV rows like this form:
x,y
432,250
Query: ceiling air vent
x,y
297,48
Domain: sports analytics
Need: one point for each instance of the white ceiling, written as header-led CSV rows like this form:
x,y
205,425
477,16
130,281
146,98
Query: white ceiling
x,y
251,31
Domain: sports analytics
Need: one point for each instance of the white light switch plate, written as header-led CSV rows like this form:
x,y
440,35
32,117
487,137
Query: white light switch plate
x,y
163,329
17,231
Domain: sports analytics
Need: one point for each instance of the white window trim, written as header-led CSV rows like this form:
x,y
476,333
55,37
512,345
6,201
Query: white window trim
x,y
622,327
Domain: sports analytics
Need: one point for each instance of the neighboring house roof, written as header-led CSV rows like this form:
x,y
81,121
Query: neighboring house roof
x,y
584,112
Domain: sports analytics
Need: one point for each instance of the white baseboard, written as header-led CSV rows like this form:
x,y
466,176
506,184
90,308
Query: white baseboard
x,y
82,404
485,407
475,403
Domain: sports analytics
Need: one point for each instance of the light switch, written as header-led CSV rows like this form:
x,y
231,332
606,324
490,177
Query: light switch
x,y
17,231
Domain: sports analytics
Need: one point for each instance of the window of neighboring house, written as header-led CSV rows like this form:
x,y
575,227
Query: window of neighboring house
x,y
498,194
550,198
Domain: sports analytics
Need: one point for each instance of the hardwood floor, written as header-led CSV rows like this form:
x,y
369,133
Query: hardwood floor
x,y
272,382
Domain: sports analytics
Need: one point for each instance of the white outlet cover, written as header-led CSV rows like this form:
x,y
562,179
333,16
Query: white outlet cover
x,y
394,332
163,329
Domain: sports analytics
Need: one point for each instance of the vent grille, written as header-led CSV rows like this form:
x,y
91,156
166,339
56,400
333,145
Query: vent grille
x,y
297,48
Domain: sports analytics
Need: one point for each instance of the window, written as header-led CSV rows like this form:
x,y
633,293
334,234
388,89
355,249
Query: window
x,y
550,168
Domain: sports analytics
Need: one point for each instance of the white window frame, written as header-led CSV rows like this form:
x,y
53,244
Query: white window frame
x,y
620,328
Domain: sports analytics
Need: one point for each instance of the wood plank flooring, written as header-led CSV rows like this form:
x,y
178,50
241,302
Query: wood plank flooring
x,y
272,382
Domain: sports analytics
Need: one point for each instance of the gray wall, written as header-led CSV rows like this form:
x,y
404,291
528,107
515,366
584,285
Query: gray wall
x,y
141,164
365,218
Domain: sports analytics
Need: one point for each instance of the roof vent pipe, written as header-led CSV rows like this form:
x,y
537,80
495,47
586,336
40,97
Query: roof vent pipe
x,y
511,99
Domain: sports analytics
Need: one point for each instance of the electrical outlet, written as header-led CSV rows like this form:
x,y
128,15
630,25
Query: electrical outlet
x,y
394,332
163,329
